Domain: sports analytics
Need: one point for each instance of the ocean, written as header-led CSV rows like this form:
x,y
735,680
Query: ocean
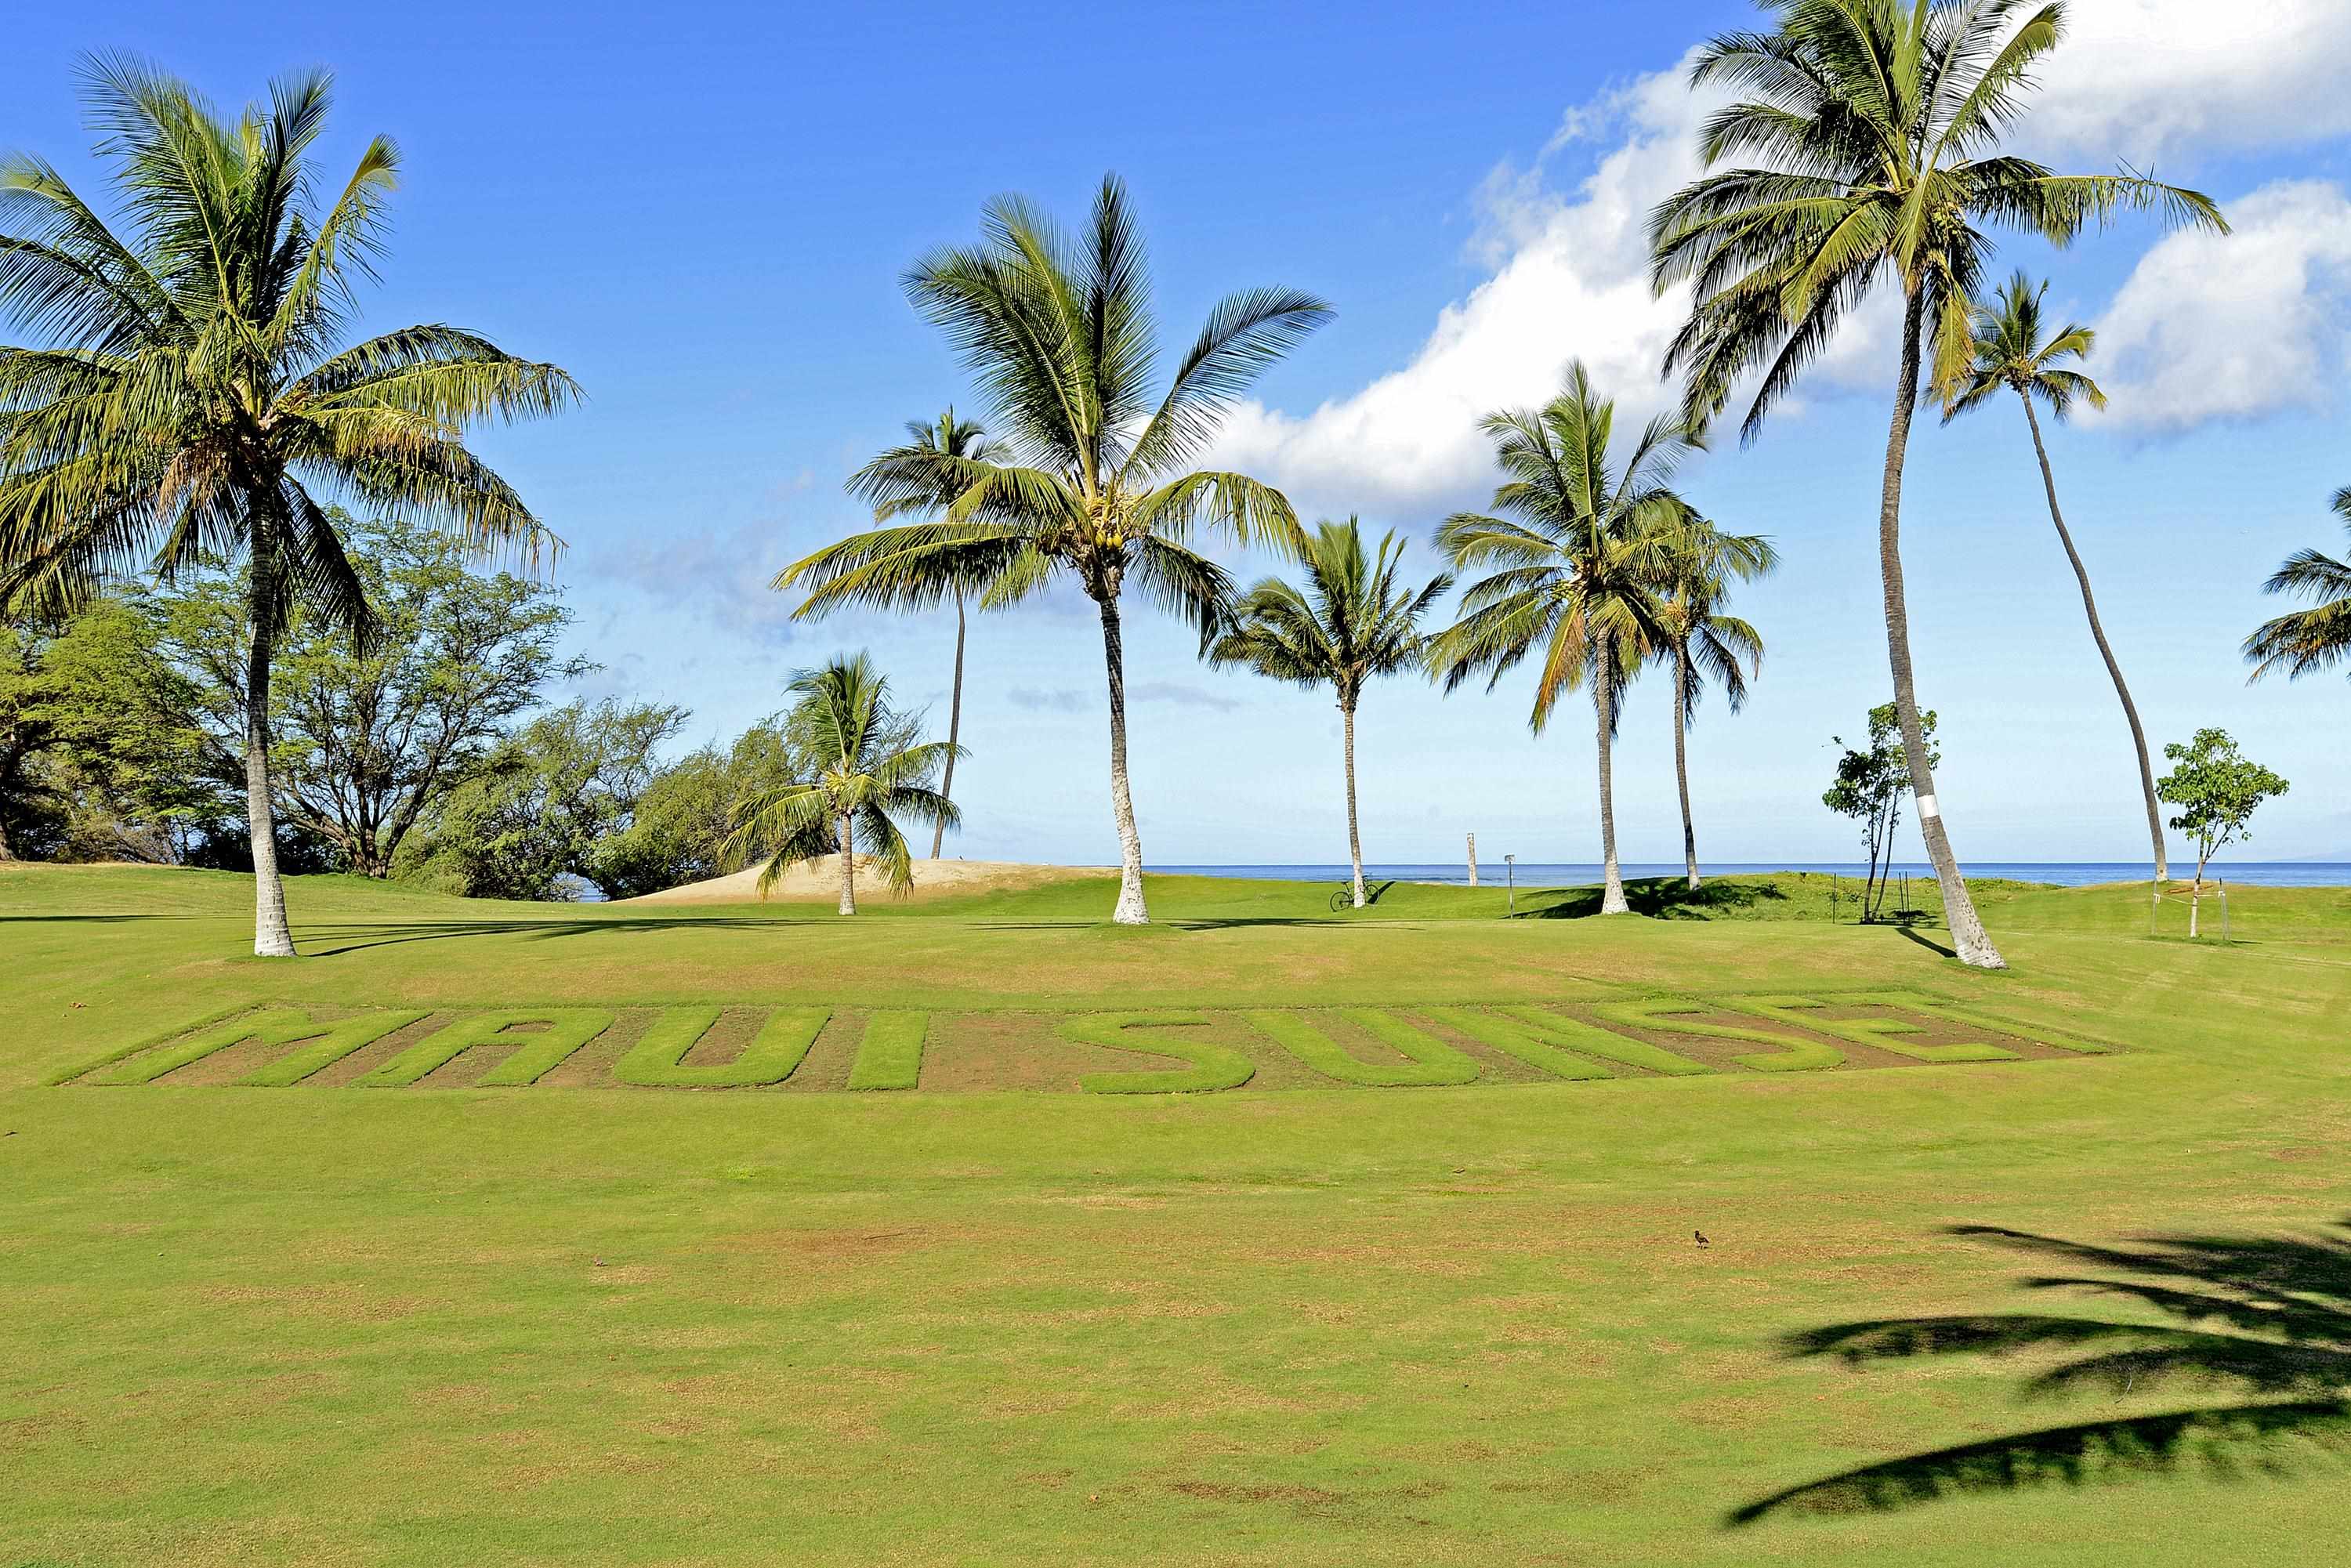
x,y
2062,873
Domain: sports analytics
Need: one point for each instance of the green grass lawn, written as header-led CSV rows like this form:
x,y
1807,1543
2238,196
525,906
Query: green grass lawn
x,y
1401,1319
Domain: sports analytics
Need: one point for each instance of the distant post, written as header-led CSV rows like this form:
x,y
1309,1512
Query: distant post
x,y
1473,860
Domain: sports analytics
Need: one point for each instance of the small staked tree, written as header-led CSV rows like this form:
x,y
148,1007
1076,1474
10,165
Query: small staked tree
x,y
1703,640
2305,642
1577,573
1092,480
1867,153
909,480
1869,788
2013,353
2218,789
1354,621
865,769
192,402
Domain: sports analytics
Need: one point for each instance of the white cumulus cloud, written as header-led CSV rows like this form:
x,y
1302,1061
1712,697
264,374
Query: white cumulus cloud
x,y
2211,327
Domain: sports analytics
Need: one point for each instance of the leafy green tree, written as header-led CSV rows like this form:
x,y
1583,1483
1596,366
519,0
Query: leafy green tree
x,y
2011,354
1579,567
679,830
529,824
1703,641
1353,622
2218,789
2308,639
1092,481
1869,788
191,401
908,480
1868,152
367,737
100,755
865,769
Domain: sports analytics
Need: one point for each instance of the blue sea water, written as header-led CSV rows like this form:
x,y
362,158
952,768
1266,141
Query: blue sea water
x,y
2062,873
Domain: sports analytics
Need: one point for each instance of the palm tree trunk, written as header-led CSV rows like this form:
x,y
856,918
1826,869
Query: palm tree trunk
x,y
272,939
1355,838
848,871
955,728
1681,759
2098,635
1611,890
1968,934
1131,910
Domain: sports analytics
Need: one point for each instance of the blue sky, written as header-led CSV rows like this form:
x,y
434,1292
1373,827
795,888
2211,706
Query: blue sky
x,y
703,212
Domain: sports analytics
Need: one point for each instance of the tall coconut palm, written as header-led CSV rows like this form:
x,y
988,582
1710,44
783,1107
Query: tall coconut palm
x,y
1702,639
1093,482
2013,353
1579,567
883,483
1873,128
1353,622
192,404
869,769
2319,638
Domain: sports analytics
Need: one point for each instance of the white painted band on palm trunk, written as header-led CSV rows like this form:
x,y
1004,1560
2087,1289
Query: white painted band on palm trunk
x,y
1927,807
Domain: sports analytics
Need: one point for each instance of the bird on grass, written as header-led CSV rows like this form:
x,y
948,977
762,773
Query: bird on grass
x,y
1701,1239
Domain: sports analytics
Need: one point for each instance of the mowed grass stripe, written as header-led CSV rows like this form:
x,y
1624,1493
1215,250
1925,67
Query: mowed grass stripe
x,y
658,1060
567,1030
890,1056
1433,1062
1671,1015
1212,1066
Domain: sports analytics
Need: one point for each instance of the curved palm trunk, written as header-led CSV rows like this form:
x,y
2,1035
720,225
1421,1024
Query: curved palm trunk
x,y
955,728
1131,910
2098,635
1681,759
1604,703
1967,934
272,939
1355,838
848,871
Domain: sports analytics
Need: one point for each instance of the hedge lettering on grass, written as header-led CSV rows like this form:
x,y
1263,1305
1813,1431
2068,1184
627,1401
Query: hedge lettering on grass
x,y
890,1054
274,1026
1432,1060
1884,1033
1668,1015
658,1061
565,1030
1512,1038
1212,1066
1590,1039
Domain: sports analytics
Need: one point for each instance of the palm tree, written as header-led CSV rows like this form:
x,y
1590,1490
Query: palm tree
x,y
1093,483
869,769
1353,622
191,405
1580,568
1875,126
2010,352
880,483
1702,639
2314,639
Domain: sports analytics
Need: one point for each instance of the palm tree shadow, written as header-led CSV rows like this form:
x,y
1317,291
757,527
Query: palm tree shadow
x,y
1659,897
2266,1319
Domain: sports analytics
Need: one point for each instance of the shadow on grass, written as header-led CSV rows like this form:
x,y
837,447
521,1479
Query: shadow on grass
x,y
1910,930
323,940
2266,1318
1659,897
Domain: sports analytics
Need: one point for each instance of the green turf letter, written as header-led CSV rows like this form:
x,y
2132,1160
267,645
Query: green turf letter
x,y
657,1061
276,1026
1664,1013
1884,1033
890,1054
1591,1039
1512,1038
1432,1060
568,1029
1213,1066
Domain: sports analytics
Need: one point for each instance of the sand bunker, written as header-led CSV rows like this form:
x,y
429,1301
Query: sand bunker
x,y
820,879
